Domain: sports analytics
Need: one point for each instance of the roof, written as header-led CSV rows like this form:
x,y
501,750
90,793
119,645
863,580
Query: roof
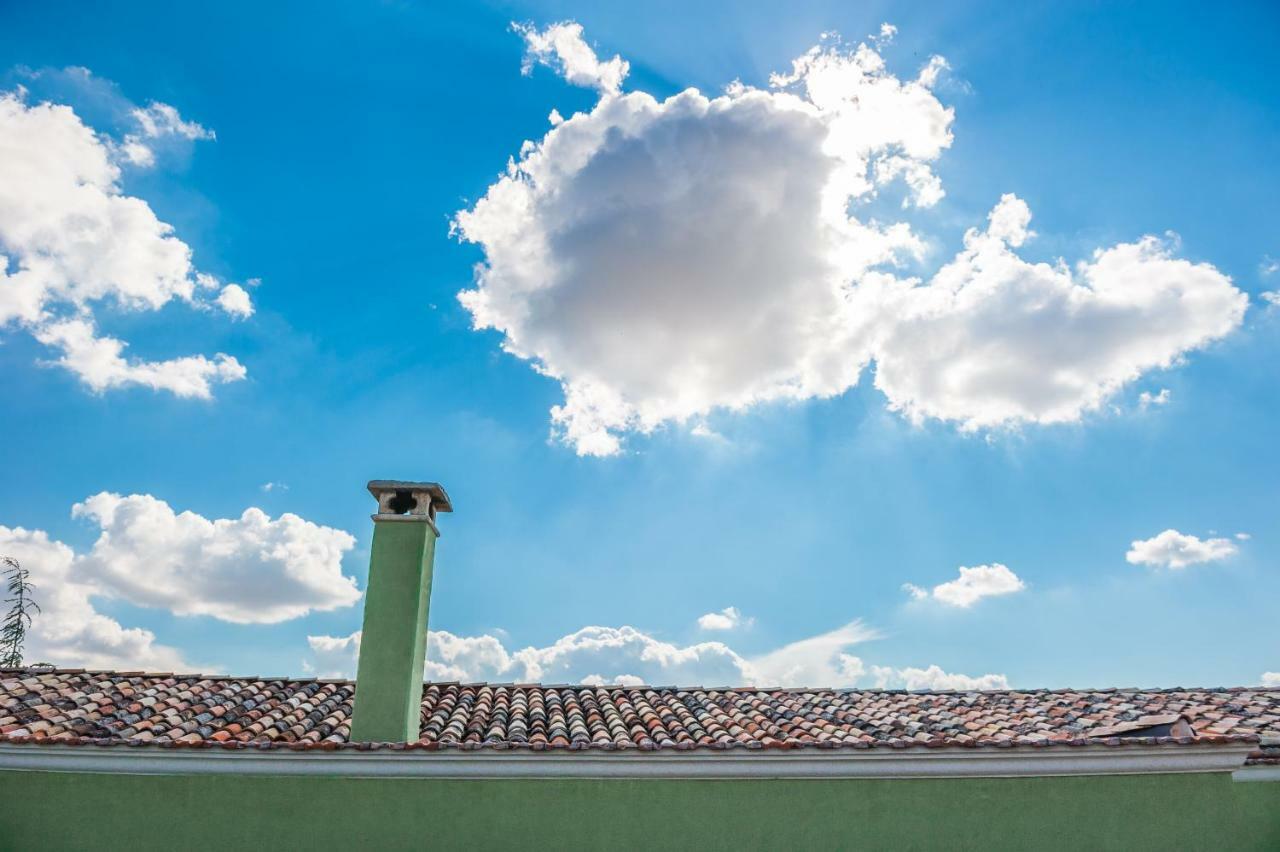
x,y
74,706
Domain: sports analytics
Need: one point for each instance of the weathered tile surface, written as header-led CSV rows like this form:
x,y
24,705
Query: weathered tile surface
x,y
107,708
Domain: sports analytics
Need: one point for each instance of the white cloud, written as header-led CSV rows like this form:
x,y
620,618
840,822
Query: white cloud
x,y
1243,536
562,48
935,678
157,123
917,593
973,584
268,487
75,237
702,430
159,120
620,680
68,630
709,234
247,570
726,619
662,259
449,657
136,153
994,340
71,240
333,656
100,363
1269,266
933,71
234,299
1271,678
1172,549
1271,297
821,660
1146,399
626,656
618,652
612,651
886,35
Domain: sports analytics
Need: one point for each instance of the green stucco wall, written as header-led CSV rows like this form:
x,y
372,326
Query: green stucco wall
x,y
48,811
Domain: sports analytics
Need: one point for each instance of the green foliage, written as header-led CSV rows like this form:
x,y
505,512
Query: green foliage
x,y
13,632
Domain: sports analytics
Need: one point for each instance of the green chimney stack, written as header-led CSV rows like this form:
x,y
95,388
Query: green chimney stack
x,y
393,643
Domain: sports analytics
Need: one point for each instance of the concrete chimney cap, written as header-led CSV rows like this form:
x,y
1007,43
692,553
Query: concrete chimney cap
x,y
398,497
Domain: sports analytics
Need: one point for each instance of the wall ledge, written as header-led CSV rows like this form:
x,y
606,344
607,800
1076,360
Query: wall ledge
x,y
1257,772
938,763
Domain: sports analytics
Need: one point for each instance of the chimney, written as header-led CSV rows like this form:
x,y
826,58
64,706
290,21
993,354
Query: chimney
x,y
394,640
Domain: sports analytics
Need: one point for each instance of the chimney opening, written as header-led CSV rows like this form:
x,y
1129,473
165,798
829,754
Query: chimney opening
x,y
403,503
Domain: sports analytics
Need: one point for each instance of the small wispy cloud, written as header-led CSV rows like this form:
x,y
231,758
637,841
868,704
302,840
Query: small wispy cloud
x,y
702,430
268,487
562,48
885,37
726,619
1146,399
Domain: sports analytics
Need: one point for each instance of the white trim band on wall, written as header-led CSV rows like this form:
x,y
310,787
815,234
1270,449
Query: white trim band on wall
x,y
874,763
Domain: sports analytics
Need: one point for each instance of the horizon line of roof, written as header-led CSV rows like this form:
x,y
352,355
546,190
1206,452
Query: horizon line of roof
x,y
46,670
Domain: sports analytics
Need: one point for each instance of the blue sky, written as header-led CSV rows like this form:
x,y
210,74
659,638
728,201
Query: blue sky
x,y
734,455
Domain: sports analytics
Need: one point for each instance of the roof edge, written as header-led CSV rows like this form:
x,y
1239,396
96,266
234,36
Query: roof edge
x,y
959,763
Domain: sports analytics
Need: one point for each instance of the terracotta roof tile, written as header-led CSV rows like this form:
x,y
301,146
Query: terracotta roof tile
x,y
105,708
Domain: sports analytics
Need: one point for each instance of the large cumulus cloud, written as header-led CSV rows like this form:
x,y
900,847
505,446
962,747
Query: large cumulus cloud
x,y
72,241
253,569
664,258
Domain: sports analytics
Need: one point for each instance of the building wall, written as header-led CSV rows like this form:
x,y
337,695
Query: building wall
x,y
54,810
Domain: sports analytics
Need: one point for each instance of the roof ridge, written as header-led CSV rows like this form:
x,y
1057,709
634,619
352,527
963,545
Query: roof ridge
x,y
52,670
45,670
45,704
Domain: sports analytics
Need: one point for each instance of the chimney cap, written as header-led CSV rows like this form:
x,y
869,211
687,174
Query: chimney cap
x,y
386,490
